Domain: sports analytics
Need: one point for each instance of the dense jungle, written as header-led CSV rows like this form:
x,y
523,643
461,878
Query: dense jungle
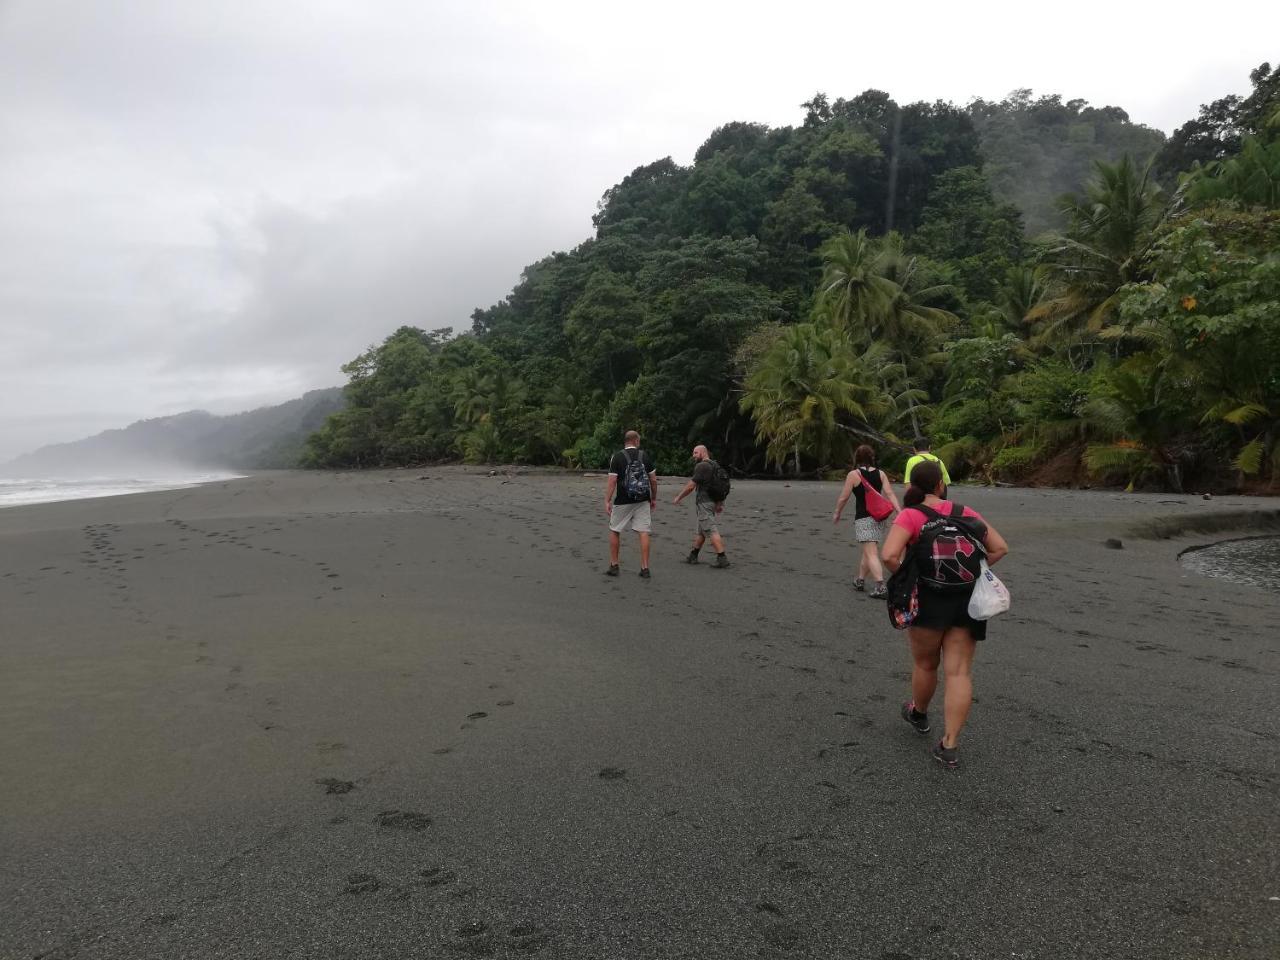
x,y
1051,292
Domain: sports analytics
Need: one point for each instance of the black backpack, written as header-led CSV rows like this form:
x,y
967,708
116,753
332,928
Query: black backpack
x,y
635,478
717,487
948,555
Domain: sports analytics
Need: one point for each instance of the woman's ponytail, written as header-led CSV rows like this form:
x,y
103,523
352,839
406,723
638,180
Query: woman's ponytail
x,y
925,479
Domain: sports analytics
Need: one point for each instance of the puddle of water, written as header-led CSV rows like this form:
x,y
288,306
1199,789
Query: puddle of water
x,y
1254,561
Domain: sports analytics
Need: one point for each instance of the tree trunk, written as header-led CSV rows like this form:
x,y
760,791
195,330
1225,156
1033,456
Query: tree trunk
x,y
797,452
911,403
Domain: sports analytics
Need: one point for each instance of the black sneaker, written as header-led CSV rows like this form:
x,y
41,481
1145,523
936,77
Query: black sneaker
x,y
946,756
880,591
721,561
644,573
692,557
859,583
612,571
919,721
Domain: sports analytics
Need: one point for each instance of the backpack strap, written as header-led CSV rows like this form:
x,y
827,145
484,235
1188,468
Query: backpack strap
x,y
930,513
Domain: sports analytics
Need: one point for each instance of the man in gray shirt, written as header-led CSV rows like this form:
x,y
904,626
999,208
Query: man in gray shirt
x,y
707,508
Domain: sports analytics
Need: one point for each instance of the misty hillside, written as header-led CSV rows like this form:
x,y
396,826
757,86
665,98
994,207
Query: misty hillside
x,y
1037,150
266,438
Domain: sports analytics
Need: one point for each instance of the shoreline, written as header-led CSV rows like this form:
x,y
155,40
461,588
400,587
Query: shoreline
x,y
361,714
116,487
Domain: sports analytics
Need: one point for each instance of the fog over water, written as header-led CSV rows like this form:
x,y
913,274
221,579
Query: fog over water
x,y
215,206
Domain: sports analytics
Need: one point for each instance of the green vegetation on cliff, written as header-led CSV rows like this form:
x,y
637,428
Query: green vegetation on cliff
x,y
1041,286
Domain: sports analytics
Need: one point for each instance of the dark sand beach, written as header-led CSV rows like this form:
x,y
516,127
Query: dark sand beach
x,y
308,715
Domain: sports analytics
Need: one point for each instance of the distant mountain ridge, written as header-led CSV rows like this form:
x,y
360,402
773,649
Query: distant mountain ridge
x,y
262,439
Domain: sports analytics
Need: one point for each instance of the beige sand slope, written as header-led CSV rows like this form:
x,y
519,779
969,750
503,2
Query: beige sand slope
x,y
368,715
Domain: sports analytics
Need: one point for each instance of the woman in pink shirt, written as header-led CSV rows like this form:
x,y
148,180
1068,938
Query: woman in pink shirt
x,y
943,632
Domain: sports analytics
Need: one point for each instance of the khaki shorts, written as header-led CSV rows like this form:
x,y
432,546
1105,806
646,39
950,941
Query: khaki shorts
x,y
706,518
630,516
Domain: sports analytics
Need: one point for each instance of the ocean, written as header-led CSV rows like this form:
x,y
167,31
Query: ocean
x,y
16,491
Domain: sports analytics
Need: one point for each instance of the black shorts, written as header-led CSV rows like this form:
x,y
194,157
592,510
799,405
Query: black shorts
x,y
941,610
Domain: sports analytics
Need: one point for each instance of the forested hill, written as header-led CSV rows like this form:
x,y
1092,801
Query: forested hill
x,y
265,438
876,271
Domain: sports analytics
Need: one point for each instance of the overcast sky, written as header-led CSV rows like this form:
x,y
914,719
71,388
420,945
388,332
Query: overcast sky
x,y
217,204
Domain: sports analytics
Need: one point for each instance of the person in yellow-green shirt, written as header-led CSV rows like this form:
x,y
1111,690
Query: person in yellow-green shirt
x,y
921,447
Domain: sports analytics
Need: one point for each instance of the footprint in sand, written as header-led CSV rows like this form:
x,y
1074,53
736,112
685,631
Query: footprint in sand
x,y
527,938
336,786
358,883
402,820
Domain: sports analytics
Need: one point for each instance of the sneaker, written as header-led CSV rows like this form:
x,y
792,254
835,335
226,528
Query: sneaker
x,y
858,584
612,571
644,573
946,756
880,592
692,557
721,561
919,721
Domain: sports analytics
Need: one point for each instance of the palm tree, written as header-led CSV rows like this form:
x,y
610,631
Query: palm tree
x,y
906,320
853,291
1251,179
470,402
1022,291
799,390
1138,412
1110,232
1240,377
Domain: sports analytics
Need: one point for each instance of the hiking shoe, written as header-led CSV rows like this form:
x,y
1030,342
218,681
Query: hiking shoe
x,y
644,573
721,561
946,756
880,592
692,557
919,721
859,583
612,571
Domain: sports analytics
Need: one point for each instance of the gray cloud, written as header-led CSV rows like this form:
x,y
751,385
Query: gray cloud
x,y
219,204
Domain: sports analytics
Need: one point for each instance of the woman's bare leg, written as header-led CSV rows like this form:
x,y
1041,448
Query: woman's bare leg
x,y
958,647
926,648
871,561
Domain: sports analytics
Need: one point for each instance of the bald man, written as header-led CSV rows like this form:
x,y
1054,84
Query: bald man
x,y
708,511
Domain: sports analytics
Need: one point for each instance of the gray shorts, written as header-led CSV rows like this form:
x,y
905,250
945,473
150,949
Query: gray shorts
x,y
870,530
706,511
630,516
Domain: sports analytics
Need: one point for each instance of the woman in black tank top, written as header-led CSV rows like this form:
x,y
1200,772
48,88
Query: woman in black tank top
x,y
867,530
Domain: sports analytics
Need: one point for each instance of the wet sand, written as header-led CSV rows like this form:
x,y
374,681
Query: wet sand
x,y
371,715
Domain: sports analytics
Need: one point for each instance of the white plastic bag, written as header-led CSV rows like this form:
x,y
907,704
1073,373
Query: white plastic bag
x,y
990,597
